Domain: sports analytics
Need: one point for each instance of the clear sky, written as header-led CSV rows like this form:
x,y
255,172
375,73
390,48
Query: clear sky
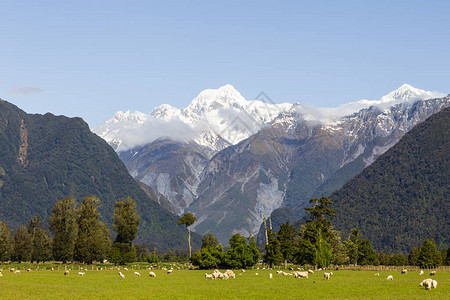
x,y
93,58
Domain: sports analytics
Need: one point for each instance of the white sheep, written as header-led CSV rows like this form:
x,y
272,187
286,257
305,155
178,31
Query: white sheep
x,y
326,276
243,271
301,275
1,275
81,273
421,272
434,284
169,271
331,273
270,275
377,274
311,271
208,276
404,271
256,274
151,274
230,274
126,269
121,275
433,273
66,272
427,283
390,277
136,274
28,270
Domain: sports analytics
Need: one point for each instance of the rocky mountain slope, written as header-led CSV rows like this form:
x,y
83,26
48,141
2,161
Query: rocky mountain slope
x,y
44,158
295,154
403,197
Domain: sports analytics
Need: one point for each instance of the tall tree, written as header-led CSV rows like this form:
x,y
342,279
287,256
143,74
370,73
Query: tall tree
x,y
42,243
273,254
5,242
63,225
125,223
93,240
188,219
22,244
428,255
352,243
286,236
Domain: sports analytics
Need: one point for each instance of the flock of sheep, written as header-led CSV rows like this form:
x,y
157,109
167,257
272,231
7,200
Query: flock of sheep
x,y
427,283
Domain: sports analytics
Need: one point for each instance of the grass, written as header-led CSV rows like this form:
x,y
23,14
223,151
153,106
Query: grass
x,y
191,284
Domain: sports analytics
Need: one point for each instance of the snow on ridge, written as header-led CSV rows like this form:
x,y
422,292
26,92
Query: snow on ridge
x,y
219,117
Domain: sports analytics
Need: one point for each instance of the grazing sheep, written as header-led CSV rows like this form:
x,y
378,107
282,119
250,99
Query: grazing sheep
x,y
326,276
331,273
270,275
427,283
230,274
169,271
1,275
434,284
53,269
81,273
311,271
433,273
301,275
279,272
28,270
390,277
121,275
377,274
421,272
151,274
404,271
136,274
243,271
208,276
126,269
256,274
66,272
320,269
12,270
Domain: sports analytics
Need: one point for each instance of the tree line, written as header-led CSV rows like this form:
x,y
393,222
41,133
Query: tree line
x,y
77,234
315,243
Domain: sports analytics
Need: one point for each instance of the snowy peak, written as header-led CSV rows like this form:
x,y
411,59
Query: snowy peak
x,y
212,99
407,93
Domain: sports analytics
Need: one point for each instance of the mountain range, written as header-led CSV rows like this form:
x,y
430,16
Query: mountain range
x,y
231,161
45,158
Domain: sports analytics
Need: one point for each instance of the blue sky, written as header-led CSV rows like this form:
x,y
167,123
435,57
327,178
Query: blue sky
x,y
93,58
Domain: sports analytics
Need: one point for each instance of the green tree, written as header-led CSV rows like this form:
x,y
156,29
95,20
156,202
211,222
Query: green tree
x,y
125,223
240,254
366,255
35,224
286,236
41,242
209,240
6,248
398,259
352,243
428,255
188,219
22,244
63,225
338,250
313,242
273,255
208,257
93,241
412,257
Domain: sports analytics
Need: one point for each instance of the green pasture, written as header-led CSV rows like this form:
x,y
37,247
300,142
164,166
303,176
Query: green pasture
x,y
191,284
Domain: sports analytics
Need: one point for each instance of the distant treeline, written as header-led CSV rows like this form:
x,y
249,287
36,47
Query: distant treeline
x,y
79,235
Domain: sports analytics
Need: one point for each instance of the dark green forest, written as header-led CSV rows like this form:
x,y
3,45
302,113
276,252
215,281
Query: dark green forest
x,y
403,197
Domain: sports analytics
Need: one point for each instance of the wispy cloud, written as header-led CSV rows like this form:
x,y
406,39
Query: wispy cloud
x,y
25,91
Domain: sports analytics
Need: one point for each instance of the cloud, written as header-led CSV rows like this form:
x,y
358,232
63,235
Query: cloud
x,y
152,129
25,91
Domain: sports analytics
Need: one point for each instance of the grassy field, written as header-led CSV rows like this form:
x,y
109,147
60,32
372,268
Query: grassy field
x,y
191,284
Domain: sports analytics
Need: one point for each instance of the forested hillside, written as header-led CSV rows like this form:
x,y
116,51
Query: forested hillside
x,y
44,158
403,197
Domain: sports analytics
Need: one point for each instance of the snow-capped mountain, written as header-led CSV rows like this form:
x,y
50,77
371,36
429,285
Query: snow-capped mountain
x,y
230,161
216,118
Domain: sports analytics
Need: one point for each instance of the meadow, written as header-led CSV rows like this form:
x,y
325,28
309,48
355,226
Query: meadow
x,y
191,284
